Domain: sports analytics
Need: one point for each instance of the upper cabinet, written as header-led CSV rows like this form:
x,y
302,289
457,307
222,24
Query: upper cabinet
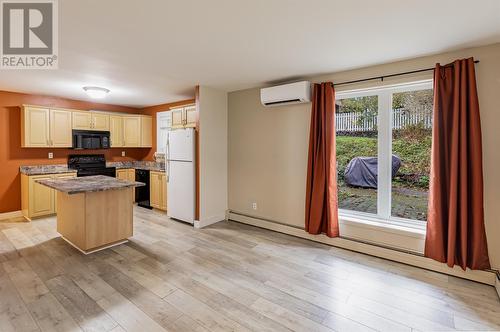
x,y
146,131
100,121
43,127
60,128
35,127
90,120
138,131
132,130
116,131
184,117
82,120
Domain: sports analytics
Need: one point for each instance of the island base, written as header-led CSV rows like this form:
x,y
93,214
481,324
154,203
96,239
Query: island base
x,y
94,221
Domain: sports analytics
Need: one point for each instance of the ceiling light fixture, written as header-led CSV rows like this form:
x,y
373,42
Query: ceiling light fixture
x,y
95,92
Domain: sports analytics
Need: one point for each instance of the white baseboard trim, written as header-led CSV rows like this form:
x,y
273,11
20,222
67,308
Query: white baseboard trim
x,y
209,221
486,277
10,215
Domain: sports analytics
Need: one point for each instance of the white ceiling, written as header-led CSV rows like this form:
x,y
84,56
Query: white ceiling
x,y
155,51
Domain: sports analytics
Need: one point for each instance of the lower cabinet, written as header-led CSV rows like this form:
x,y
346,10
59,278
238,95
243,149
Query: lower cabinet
x,y
38,200
158,190
126,174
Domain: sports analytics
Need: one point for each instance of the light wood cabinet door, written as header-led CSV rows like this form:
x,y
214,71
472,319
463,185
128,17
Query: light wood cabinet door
x,y
41,198
35,127
177,118
154,189
122,174
131,174
60,129
158,190
100,121
163,192
116,131
190,116
132,131
82,120
127,174
146,131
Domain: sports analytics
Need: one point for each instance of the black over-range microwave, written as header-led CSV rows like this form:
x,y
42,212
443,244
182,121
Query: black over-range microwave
x,y
91,139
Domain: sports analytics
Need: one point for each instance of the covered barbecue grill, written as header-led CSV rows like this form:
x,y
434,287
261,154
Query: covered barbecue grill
x,y
362,171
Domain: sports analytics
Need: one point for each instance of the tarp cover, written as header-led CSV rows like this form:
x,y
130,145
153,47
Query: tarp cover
x,y
362,171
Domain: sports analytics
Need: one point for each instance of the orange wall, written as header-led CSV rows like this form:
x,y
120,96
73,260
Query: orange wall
x,y
152,110
12,155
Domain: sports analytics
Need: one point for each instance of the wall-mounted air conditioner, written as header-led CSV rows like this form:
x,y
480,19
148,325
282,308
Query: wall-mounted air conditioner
x,y
292,93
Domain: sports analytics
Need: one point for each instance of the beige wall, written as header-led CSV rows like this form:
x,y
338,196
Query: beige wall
x,y
268,146
212,105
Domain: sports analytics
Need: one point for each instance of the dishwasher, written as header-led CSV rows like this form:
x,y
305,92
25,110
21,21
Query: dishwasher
x,y
142,193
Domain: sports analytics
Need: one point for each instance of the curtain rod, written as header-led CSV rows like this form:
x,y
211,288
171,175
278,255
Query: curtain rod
x,y
386,76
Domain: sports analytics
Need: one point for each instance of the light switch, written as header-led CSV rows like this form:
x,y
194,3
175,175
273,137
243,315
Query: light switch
x,y
51,155
123,153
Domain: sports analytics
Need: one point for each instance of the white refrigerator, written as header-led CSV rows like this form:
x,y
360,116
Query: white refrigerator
x,y
179,164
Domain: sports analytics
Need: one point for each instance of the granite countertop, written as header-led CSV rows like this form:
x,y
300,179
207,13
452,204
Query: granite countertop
x,y
45,169
141,164
63,168
88,184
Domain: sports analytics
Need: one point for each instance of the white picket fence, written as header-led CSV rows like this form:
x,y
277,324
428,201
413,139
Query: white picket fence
x,y
356,121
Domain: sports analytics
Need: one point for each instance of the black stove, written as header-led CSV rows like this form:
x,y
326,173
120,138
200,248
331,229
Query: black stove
x,y
90,164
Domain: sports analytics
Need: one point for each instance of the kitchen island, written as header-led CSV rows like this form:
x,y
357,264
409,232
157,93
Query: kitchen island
x,y
94,212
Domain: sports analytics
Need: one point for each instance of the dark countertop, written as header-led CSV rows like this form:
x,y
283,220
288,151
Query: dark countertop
x,y
45,169
88,184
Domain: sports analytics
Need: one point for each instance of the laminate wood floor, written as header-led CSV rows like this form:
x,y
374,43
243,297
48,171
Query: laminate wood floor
x,y
227,277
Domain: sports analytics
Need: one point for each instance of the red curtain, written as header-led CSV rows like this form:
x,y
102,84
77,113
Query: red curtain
x,y
455,226
321,192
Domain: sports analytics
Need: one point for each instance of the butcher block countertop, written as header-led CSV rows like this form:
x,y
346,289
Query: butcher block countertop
x,y
88,184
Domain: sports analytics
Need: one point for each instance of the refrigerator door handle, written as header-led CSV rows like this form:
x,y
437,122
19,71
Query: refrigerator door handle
x,y
168,157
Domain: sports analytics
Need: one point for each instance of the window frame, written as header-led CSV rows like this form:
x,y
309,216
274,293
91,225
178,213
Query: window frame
x,y
384,151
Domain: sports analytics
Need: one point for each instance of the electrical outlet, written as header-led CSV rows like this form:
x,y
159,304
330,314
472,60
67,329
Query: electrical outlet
x,y
254,206
123,153
51,155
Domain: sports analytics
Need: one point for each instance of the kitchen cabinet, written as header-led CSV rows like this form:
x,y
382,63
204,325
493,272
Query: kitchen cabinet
x,y
100,121
132,131
138,131
116,131
90,120
184,117
43,127
126,174
191,116
82,120
38,200
177,118
60,128
146,131
35,127
158,190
